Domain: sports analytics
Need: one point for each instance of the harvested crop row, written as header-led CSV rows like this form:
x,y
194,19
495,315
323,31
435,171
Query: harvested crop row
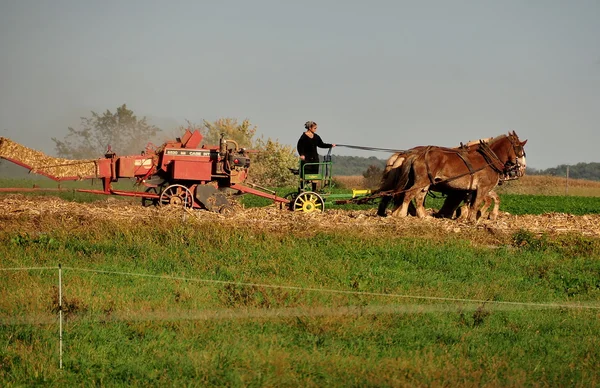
x,y
17,207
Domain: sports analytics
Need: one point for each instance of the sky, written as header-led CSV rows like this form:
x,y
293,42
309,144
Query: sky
x,y
388,74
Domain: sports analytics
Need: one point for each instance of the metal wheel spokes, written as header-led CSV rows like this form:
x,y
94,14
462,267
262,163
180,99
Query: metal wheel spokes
x,y
178,195
308,202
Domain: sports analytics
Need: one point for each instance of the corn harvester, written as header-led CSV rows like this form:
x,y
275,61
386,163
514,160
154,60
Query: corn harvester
x,y
179,172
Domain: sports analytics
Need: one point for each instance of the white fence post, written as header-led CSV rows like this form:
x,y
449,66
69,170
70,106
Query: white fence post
x,y
60,318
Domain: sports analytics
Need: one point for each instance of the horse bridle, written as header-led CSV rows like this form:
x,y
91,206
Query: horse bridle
x,y
514,170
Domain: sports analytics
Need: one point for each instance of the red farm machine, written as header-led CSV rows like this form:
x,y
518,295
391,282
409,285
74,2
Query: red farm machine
x,y
180,172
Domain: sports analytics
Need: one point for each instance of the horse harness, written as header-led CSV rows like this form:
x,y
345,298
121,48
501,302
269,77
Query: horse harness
x,y
513,170
506,171
459,153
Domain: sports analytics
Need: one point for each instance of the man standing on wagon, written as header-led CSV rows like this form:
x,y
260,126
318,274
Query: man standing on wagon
x,y
307,149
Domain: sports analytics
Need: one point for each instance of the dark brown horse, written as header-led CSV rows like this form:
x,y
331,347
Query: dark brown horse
x,y
473,170
454,199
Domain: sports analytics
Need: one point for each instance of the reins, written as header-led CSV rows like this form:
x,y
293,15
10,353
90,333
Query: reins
x,y
490,157
370,148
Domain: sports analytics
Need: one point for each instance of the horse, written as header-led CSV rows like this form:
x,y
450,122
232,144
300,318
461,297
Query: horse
x,y
453,198
474,169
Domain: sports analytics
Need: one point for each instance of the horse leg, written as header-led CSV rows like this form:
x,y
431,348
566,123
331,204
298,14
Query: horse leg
x,y
383,204
402,203
475,204
399,210
465,209
412,210
487,201
398,199
494,196
463,212
450,204
420,201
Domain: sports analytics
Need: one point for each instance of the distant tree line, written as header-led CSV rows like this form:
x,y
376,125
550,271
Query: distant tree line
x,y
589,171
354,165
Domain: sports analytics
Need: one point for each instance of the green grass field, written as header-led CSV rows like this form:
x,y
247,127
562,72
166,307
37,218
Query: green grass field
x,y
218,303
346,324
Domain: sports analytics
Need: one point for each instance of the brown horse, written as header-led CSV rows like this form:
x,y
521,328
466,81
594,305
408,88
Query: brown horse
x,y
472,169
453,199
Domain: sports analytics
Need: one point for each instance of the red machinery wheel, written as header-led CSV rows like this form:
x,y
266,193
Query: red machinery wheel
x,y
178,195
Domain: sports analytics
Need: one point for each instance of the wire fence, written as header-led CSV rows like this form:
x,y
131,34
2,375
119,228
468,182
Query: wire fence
x,y
312,289
453,304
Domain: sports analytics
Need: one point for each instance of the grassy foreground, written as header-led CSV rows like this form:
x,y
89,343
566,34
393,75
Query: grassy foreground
x,y
231,325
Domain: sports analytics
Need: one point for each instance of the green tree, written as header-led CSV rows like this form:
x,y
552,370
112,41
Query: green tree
x,y
243,133
373,176
122,130
590,171
271,165
354,165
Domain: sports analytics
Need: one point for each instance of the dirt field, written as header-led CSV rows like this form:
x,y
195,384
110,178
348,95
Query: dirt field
x,y
18,212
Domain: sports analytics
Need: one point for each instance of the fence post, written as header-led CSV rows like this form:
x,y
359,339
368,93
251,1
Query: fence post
x,y
60,318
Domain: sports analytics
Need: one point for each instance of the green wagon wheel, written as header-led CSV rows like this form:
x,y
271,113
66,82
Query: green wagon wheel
x,y
309,202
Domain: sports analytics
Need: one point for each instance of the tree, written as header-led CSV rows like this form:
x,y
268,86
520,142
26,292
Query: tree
x,y
122,130
354,165
270,160
271,165
373,176
243,133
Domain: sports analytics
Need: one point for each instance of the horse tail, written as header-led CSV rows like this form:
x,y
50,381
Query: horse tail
x,y
397,173
390,173
388,176
405,174
393,162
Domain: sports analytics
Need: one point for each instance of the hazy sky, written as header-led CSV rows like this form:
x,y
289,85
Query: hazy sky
x,y
392,74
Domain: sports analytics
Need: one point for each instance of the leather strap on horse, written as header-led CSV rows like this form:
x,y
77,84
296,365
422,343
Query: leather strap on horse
x,y
490,157
467,163
429,174
470,167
